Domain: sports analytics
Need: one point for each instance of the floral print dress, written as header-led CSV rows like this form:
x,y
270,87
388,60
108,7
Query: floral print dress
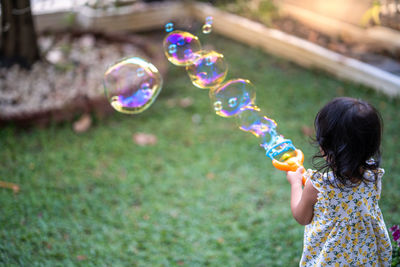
x,y
347,228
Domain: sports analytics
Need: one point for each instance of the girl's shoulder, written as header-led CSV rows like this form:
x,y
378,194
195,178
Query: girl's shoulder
x,y
325,181
317,179
371,174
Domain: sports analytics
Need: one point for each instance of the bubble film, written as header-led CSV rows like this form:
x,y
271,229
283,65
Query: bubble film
x,y
251,120
180,47
230,98
208,69
131,85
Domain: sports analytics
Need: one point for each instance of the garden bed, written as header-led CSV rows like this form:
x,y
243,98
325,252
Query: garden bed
x,y
376,45
68,82
384,58
299,50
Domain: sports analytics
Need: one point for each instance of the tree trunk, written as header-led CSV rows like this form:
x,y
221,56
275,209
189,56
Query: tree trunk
x,y
18,36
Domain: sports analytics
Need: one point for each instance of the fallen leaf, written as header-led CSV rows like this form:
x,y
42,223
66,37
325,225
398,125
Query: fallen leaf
x,y
47,245
312,36
81,257
171,102
338,47
307,131
196,118
174,214
144,139
82,124
186,102
210,175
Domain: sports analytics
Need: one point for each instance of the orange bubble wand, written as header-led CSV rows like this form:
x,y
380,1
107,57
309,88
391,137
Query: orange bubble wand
x,y
291,163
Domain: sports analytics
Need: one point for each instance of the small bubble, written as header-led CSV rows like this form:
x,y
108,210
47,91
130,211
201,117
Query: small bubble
x,y
172,49
232,102
207,28
169,27
209,20
217,105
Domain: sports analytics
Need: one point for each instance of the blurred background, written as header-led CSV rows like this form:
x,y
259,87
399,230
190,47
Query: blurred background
x,y
176,185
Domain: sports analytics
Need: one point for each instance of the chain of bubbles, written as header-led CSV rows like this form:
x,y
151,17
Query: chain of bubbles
x,y
232,98
132,84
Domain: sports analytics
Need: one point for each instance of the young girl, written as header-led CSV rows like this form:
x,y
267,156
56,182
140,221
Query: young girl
x,y
339,202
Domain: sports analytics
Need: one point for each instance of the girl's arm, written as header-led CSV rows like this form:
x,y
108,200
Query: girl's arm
x,y
301,201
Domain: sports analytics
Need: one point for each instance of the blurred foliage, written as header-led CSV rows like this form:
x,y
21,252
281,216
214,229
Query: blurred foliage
x,y
372,14
105,4
383,12
260,10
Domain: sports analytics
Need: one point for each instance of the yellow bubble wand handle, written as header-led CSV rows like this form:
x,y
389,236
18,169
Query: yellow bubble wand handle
x,y
291,164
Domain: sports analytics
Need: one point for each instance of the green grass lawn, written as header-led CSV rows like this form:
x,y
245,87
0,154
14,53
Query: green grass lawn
x,y
204,195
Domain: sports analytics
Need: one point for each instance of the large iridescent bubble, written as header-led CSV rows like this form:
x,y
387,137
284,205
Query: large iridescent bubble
x,y
180,46
208,69
231,97
132,84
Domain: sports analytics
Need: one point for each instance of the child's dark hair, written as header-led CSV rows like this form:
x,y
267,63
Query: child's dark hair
x,y
348,132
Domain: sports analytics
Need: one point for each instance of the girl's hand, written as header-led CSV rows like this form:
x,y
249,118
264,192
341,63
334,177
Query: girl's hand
x,y
302,201
296,177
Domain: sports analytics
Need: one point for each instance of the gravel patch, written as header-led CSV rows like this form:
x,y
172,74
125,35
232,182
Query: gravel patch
x,y
69,78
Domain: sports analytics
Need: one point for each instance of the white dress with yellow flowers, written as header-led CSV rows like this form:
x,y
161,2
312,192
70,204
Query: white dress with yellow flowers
x,y
347,228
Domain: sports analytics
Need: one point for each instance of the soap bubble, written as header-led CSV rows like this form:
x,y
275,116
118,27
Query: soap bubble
x,y
180,46
132,84
230,98
169,27
208,69
251,120
209,20
207,28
